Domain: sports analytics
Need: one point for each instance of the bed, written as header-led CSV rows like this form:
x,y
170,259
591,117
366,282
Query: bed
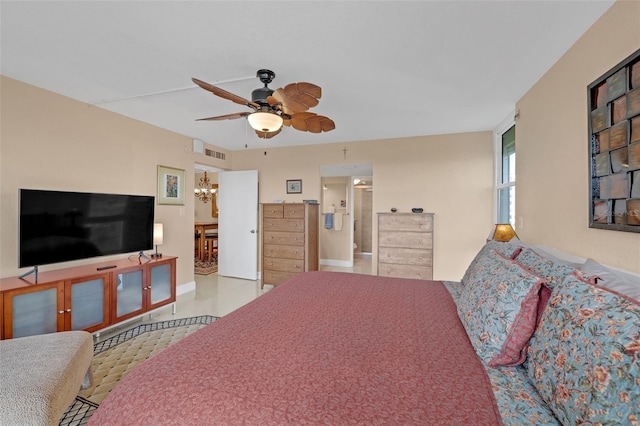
x,y
322,348
526,338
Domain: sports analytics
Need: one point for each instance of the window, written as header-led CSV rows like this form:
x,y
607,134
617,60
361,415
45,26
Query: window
x,y
506,176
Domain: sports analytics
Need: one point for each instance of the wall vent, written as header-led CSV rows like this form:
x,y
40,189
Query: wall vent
x,y
214,154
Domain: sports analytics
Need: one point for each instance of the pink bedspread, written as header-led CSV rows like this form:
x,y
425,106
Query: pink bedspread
x,y
322,348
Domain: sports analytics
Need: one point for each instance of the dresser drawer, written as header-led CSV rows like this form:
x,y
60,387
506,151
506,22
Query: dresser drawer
x,y
418,240
294,211
286,252
285,238
276,277
404,256
273,210
283,265
284,225
405,222
405,271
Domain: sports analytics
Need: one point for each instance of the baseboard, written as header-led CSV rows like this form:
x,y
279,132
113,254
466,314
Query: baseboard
x,y
185,288
334,262
366,256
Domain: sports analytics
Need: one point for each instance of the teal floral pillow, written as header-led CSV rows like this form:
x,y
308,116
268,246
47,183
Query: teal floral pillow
x,y
552,272
498,307
489,249
585,360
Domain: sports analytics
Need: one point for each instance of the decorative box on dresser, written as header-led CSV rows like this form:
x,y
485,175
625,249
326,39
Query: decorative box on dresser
x,y
289,241
405,245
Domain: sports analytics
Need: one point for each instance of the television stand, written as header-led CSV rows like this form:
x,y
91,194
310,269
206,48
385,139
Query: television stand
x,y
33,271
89,297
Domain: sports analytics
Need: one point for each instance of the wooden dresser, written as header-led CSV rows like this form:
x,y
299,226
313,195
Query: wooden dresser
x,y
405,245
289,241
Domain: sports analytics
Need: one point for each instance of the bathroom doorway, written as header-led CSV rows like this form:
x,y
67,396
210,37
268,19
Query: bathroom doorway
x,y
347,217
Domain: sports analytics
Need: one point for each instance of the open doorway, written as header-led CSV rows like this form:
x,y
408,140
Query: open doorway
x,y
205,233
347,218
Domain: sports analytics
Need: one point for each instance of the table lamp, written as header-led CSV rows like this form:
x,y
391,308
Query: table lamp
x,y
502,232
157,239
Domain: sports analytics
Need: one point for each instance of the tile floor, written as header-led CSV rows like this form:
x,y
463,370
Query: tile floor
x,y
217,295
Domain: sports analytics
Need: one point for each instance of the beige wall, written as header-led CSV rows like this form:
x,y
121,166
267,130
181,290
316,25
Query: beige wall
x,y
52,142
552,146
449,175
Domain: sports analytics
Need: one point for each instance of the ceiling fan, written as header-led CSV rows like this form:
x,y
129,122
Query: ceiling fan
x,y
272,109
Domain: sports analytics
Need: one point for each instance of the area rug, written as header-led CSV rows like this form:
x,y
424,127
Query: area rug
x,y
204,267
116,356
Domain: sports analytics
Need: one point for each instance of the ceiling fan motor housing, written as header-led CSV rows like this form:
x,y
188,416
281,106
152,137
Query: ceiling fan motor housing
x,y
260,95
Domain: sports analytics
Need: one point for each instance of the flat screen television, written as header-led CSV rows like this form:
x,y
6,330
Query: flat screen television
x,y
58,226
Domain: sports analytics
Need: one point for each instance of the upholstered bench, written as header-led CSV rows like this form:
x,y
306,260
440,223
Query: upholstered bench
x,y
40,376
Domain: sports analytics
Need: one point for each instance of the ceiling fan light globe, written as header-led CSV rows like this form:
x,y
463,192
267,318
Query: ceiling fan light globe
x,y
265,121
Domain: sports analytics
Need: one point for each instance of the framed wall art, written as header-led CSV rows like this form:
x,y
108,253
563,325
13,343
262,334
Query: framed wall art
x,y
170,186
614,146
294,186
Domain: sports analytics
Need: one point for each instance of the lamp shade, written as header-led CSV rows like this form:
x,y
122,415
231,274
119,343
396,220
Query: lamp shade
x,y
502,232
265,121
158,232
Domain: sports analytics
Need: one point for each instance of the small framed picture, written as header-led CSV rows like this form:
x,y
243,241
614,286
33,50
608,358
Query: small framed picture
x,y
294,186
170,186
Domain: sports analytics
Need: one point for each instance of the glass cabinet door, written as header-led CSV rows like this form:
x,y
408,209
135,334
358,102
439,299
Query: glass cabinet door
x,y
160,284
128,288
36,312
89,304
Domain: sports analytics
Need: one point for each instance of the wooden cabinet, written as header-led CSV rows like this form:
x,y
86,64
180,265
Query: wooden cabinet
x,y
405,245
84,297
139,290
289,241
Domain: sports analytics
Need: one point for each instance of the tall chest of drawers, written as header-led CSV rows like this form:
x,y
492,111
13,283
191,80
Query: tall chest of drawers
x,y
289,241
405,245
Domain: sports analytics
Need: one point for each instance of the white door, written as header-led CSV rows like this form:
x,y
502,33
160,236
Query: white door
x,y
238,224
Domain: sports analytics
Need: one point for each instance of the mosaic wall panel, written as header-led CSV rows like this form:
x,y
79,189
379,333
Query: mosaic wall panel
x,y
614,145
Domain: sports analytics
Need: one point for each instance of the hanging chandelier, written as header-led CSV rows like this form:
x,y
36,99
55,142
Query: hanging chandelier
x,y
204,192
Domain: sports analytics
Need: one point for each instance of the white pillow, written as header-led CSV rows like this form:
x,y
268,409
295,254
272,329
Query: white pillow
x,y
611,279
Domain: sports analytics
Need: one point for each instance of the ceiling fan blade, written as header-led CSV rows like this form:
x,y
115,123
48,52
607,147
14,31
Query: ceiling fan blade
x,y
274,103
311,122
298,97
226,116
267,135
224,94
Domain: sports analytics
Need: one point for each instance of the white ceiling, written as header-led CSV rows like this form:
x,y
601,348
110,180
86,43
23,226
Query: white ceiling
x,y
387,68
